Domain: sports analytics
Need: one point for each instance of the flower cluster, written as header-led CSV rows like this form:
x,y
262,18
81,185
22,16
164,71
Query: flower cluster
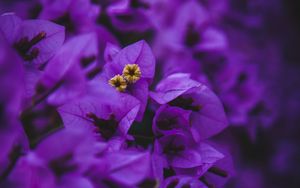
x,y
123,93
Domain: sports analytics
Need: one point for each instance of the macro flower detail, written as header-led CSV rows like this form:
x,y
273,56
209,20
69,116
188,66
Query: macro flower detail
x,y
192,36
107,120
185,103
106,128
139,58
118,82
132,73
207,112
76,16
24,46
36,41
149,94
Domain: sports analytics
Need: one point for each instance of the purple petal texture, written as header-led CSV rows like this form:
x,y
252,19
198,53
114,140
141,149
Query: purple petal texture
x,y
131,167
15,30
11,81
110,52
172,87
48,46
149,94
74,13
124,109
10,26
132,20
180,181
210,119
65,68
168,119
138,53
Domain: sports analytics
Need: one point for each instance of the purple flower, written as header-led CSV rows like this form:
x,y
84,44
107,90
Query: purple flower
x,y
203,164
207,113
11,82
36,41
173,64
12,137
67,73
120,169
57,161
77,16
169,119
108,120
182,181
105,37
178,151
191,31
244,91
209,156
131,71
195,33
75,112
220,172
126,15
184,156
14,146
110,52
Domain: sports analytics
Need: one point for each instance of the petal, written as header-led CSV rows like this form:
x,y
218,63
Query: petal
x,y
32,77
132,105
75,182
187,159
157,166
131,20
211,119
209,154
190,12
209,157
53,9
55,35
76,147
74,113
118,6
140,91
172,87
130,168
225,164
31,172
110,52
11,81
180,181
166,112
65,67
137,53
10,26
212,40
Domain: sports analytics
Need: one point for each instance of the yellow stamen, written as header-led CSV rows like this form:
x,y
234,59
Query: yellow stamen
x,y
132,73
118,82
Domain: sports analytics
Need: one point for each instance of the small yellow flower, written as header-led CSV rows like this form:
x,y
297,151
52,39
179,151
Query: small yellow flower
x,y
118,82
132,73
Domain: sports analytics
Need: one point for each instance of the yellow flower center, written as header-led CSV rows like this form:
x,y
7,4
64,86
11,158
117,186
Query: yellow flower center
x,y
118,82
132,73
